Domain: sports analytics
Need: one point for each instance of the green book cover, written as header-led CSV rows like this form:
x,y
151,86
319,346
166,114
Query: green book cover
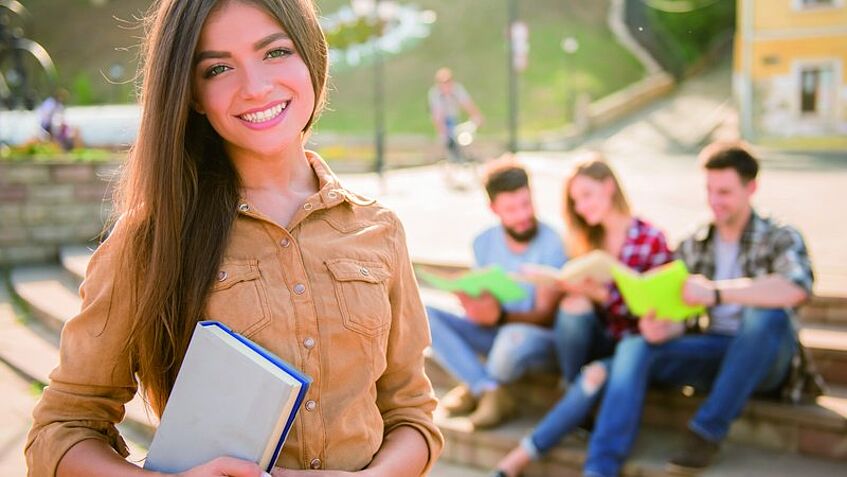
x,y
659,289
492,279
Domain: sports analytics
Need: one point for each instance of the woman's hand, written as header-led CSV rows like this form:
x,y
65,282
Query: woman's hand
x,y
225,467
594,291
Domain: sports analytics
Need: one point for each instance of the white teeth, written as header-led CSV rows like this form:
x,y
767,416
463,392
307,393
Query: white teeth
x,y
265,115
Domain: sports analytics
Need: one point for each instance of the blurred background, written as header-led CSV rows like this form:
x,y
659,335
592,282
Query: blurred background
x,y
646,82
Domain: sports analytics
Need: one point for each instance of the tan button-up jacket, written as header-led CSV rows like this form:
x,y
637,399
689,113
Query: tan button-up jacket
x,y
334,295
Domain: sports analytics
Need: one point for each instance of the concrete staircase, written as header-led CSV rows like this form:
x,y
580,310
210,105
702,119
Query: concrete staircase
x,y
770,438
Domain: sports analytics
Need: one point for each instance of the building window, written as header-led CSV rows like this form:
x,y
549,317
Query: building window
x,y
815,82
815,4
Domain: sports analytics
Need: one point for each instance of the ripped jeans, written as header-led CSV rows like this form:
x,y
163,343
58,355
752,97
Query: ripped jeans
x,y
511,349
730,368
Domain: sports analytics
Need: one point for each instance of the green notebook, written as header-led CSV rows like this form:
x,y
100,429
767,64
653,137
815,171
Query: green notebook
x,y
659,289
492,279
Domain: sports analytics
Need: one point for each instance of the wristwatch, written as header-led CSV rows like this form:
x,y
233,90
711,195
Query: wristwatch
x,y
717,297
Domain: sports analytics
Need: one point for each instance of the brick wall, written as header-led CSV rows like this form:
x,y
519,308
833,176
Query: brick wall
x,y
44,205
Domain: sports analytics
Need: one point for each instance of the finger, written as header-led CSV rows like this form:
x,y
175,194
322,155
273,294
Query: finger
x,y
237,467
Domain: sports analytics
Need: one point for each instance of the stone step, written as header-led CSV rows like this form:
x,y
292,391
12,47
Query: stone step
x,y
483,449
31,349
815,429
74,259
50,294
445,468
826,342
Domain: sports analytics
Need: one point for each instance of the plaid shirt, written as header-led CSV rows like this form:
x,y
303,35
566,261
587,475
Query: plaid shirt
x,y
766,247
645,248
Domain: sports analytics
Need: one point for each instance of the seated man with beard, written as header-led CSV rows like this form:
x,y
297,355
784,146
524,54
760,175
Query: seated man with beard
x,y
515,337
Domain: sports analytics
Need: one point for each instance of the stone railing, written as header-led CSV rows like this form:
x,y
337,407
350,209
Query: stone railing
x,y
44,205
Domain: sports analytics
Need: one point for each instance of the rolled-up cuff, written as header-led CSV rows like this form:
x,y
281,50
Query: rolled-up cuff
x,y
529,446
432,436
48,445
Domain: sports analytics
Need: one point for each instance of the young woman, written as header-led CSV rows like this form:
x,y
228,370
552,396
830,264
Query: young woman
x,y
592,317
225,216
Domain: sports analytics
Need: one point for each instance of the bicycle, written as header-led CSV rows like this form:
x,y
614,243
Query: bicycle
x,y
27,73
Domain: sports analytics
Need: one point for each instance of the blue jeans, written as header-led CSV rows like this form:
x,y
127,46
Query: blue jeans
x,y
511,349
731,368
581,338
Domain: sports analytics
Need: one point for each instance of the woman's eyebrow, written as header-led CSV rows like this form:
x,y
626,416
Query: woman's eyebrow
x,y
270,39
204,55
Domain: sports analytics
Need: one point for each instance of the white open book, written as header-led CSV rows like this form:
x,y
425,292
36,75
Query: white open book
x,y
596,265
231,398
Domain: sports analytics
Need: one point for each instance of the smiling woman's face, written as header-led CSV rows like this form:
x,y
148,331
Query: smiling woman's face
x,y
250,81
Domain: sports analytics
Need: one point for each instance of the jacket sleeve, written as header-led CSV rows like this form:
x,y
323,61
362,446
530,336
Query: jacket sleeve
x,y
404,393
88,389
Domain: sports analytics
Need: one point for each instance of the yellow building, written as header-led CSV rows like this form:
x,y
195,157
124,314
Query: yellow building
x,y
789,75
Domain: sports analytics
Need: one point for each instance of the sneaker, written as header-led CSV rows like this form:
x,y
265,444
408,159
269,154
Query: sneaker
x,y
697,454
459,401
494,407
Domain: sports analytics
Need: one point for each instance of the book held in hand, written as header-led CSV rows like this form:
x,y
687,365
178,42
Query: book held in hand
x,y
659,290
595,265
491,279
232,398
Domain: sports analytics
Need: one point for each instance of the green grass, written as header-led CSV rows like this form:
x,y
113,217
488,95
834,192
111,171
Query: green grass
x,y
476,50
690,34
468,37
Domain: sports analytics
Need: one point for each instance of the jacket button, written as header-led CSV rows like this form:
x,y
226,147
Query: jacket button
x,y
309,343
222,275
311,405
299,289
332,194
315,464
244,207
307,206
285,243
365,271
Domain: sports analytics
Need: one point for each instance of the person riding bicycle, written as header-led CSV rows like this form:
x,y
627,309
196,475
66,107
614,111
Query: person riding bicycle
x,y
447,99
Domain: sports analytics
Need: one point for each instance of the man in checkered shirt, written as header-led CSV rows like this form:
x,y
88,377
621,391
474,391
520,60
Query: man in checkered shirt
x,y
751,272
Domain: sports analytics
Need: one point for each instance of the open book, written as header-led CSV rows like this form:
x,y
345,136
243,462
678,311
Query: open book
x,y
659,289
492,279
231,398
596,265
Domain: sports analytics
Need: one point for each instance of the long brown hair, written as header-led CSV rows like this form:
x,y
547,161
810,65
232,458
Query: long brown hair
x,y
581,236
179,192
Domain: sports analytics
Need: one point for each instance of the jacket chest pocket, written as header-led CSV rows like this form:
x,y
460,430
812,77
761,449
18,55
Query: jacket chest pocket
x,y
238,298
362,295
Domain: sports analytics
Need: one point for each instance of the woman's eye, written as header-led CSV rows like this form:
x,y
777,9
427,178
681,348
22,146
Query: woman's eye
x,y
215,70
278,53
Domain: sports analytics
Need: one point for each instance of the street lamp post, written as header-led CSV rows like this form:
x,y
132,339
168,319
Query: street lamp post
x,y
371,9
570,45
512,75
379,95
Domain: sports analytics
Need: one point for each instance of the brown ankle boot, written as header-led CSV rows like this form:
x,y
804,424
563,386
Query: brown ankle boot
x,y
494,407
696,454
459,401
